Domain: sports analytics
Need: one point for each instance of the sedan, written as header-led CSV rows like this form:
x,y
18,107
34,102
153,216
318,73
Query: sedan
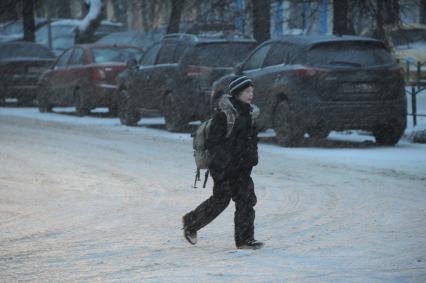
x,y
21,64
84,76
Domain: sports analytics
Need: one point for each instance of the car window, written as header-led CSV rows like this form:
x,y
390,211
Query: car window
x,y
275,55
115,54
180,49
77,57
256,59
166,55
63,60
150,55
349,55
222,54
293,55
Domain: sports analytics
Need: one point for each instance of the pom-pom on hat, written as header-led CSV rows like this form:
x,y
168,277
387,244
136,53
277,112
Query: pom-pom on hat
x,y
238,84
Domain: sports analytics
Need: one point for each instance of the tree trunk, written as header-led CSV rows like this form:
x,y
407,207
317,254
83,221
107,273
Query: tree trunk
x,y
261,20
391,12
177,8
28,20
423,12
120,11
388,13
62,9
342,17
8,11
93,20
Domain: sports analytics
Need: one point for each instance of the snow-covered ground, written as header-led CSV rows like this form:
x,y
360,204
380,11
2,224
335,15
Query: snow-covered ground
x,y
86,199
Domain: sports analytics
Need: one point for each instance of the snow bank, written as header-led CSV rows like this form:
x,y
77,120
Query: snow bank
x,y
95,10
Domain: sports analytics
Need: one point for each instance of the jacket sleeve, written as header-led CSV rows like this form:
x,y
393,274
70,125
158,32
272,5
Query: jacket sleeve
x,y
250,157
216,143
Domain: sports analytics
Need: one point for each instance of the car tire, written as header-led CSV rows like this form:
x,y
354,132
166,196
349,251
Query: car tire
x,y
43,100
126,111
388,135
286,129
81,109
172,114
318,133
113,110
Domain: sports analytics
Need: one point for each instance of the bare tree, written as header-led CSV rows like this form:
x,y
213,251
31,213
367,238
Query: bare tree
x,y
177,8
423,11
8,10
342,17
59,9
120,11
28,20
91,21
261,20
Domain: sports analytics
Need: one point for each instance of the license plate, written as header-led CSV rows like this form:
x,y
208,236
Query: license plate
x,y
359,88
36,69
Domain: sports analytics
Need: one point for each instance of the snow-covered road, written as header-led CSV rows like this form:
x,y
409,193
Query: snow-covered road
x,y
86,199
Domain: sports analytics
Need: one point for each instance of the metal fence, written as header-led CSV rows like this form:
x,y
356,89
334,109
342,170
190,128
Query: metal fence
x,y
416,83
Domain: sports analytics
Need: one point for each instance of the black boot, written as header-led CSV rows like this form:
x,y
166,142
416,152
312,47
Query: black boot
x,y
190,236
250,245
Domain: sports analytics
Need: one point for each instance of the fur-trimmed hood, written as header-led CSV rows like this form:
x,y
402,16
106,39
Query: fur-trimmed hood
x,y
226,105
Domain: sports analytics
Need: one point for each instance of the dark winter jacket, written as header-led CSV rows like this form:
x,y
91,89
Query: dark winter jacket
x,y
238,152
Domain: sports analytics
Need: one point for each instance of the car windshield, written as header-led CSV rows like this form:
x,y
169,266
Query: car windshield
x,y
61,43
225,54
130,39
403,37
24,51
349,55
115,54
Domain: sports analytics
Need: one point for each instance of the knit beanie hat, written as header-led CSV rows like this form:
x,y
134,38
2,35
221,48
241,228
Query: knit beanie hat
x,y
238,84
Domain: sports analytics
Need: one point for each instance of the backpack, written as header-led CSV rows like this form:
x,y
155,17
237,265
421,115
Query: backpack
x,y
199,142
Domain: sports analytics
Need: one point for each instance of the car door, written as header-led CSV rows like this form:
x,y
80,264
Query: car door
x,y
141,85
164,72
77,76
57,79
253,68
272,74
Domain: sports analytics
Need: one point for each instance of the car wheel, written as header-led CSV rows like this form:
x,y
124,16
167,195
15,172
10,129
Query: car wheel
x,y
126,111
81,109
318,133
173,115
288,133
113,110
388,135
43,100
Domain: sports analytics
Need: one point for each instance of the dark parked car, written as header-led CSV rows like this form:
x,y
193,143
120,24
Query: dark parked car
x,y
85,77
175,78
308,84
21,64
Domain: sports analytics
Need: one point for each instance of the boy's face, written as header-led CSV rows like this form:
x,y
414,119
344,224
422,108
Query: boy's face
x,y
246,95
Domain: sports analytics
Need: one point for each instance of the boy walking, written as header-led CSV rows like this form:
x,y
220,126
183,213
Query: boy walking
x,y
232,157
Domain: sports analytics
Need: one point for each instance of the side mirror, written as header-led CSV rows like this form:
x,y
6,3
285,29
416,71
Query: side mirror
x,y
238,68
132,64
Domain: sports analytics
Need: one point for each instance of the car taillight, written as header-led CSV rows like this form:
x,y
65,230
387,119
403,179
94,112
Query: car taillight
x,y
309,72
193,70
98,75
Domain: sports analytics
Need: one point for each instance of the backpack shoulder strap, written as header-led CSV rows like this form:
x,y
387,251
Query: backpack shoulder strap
x,y
231,116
